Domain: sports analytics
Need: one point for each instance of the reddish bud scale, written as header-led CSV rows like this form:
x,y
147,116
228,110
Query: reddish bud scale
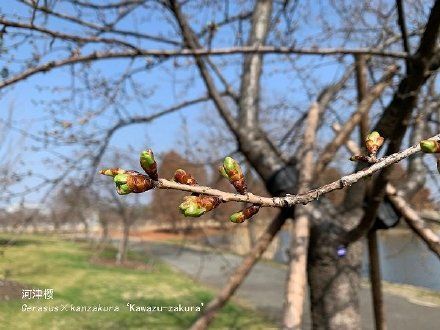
x,y
232,170
149,164
139,183
250,211
208,202
236,178
240,185
233,175
183,177
151,171
245,214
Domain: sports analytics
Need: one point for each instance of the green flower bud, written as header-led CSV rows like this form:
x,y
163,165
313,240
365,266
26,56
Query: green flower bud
x,y
430,146
373,135
147,158
148,164
121,184
191,207
373,142
231,165
247,213
120,179
132,182
237,217
232,171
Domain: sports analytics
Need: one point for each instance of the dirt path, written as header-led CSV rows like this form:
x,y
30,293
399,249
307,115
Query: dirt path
x,y
263,289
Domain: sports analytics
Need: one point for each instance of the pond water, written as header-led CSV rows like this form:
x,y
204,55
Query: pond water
x,y
403,257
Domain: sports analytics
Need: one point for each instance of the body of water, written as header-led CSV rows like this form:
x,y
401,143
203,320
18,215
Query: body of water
x,y
404,258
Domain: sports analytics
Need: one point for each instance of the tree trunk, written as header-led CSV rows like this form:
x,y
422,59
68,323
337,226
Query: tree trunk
x,y
376,281
334,280
123,243
86,228
296,282
35,227
104,233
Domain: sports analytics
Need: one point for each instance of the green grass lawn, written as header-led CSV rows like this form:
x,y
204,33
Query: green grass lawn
x,y
41,262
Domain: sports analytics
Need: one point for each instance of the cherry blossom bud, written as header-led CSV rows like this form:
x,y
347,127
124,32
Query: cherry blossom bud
x,y
245,214
183,177
148,164
373,142
430,146
132,182
195,206
235,175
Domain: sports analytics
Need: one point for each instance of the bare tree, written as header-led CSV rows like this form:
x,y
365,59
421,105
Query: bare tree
x,y
276,40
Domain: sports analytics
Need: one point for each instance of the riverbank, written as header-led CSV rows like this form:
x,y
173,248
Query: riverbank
x,y
407,307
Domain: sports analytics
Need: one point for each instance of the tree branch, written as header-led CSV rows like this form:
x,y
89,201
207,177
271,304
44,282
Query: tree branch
x,y
252,67
139,52
291,200
414,221
362,91
102,29
403,31
65,36
412,218
340,138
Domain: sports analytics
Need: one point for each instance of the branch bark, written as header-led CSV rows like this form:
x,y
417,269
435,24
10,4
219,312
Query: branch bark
x,y
403,31
302,198
362,92
252,67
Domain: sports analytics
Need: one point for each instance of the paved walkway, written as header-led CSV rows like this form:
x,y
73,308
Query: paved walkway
x,y
263,288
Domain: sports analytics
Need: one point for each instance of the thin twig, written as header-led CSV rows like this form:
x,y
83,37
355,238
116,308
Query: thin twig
x,y
412,218
101,55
